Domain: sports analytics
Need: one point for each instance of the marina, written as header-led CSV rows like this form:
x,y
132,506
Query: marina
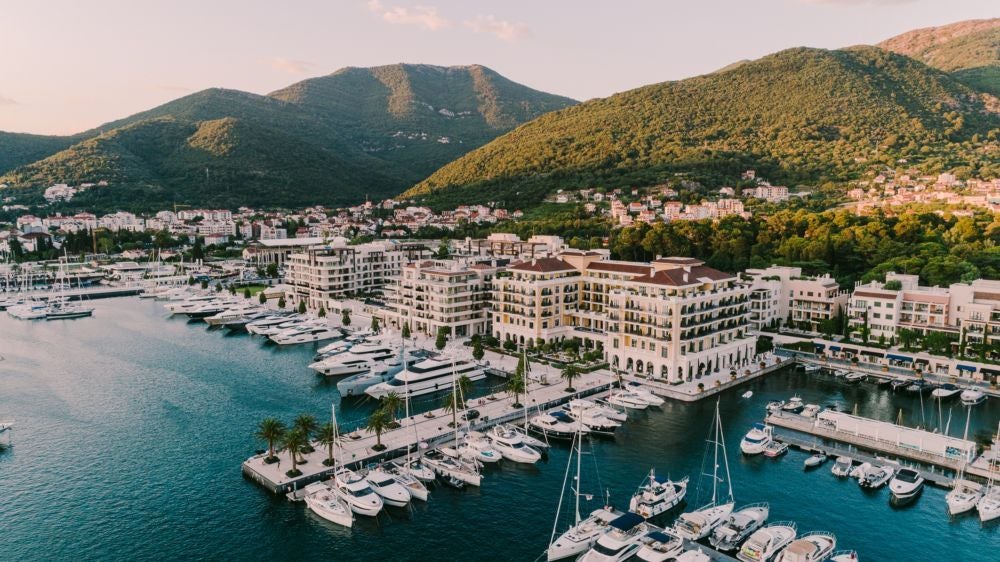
x,y
136,364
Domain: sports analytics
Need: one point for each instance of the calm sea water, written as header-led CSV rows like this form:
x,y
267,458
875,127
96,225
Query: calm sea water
x,y
131,427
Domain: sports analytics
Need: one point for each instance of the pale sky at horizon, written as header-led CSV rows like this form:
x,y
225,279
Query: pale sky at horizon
x,y
70,66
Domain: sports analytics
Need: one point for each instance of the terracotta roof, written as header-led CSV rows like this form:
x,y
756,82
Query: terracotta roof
x,y
887,295
633,268
542,265
978,295
675,277
680,260
923,297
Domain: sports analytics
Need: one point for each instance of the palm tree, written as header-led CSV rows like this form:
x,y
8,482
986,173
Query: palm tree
x,y
515,386
450,404
464,385
391,403
306,423
328,436
295,440
271,430
378,422
569,373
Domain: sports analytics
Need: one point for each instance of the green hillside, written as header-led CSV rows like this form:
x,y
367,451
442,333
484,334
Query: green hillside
x,y
801,115
328,140
18,149
970,50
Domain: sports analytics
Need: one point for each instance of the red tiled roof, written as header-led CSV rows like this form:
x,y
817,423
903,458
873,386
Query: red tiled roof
x,y
635,269
542,265
680,260
675,277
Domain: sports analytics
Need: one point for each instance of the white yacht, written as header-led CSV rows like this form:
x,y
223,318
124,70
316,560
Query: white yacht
x,y
757,439
355,385
657,495
592,418
450,467
659,546
842,556
234,313
408,480
620,540
273,321
556,425
694,555
415,468
946,390
643,394
385,485
963,497
740,525
812,547
477,446
275,329
612,411
627,399
354,489
973,396
30,310
794,405
874,477
62,309
359,359
607,411
579,538
425,377
906,484
702,522
842,467
989,505
511,445
322,501
182,306
765,543
306,334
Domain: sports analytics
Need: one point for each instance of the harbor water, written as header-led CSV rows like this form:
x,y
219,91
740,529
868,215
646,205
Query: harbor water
x,y
131,427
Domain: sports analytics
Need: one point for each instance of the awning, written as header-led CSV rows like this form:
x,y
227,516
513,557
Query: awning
x,y
968,368
819,346
899,358
873,353
849,350
834,348
992,372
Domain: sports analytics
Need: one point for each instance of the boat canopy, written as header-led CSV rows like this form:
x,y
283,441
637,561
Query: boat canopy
x,y
627,522
895,357
660,536
561,416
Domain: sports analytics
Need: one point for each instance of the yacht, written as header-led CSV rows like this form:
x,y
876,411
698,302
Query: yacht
x,y
450,467
241,323
694,555
182,306
963,497
793,406
425,377
627,399
62,309
765,543
644,394
536,444
843,556
580,405
874,477
359,359
234,313
385,485
308,333
415,486
775,449
620,540
699,524
989,505
906,484
579,538
842,468
272,321
612,411
972,396
945,391
740,525
511,445
355,385
415,468
757,439
322,501
592,419
478,447
855,377
814,461
354,489
556,425
810,411
657,495
659,546
289,324
815,546
31,310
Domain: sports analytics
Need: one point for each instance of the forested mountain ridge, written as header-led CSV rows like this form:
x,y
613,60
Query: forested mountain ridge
x,y
330,140
800,115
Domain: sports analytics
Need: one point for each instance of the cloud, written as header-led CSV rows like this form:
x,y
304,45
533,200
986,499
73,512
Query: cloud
x,y
291,66
426,17
502,29
4,100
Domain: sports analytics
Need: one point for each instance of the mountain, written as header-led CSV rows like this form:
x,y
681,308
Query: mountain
x,y
18,149
330,140
970,50
800,115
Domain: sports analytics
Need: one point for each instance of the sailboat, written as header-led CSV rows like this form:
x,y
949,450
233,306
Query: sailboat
x,y
584,532
446,461
989,505
324,501
964,494
59,307
700,523
411,473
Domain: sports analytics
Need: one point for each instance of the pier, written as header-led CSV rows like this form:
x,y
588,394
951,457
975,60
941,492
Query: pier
x,y
84,293
713,383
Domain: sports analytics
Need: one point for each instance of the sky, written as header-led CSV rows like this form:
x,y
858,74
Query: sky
x,y
67,66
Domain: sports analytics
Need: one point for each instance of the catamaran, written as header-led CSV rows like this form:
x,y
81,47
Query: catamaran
x,y
700,523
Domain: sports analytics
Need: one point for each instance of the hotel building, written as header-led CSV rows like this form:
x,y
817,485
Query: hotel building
x,y
430,295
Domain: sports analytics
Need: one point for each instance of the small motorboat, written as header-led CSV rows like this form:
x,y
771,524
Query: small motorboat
x,y
899,384
814,461
906,484
810,411
741,524
699,524
757,439
794,405
842,468
855,377
747,395
844,556
810,547
920,386
811,368
945,391
775,449
765,543
874,477
775,406
454,483
972,396
840,373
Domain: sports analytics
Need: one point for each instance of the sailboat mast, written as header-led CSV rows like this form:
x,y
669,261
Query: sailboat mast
x,y
579,457
725,456
715,462
336,433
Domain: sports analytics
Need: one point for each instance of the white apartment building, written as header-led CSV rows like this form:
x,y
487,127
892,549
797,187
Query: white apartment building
x,y
337,270
672,319
430,295
779,294
900,302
